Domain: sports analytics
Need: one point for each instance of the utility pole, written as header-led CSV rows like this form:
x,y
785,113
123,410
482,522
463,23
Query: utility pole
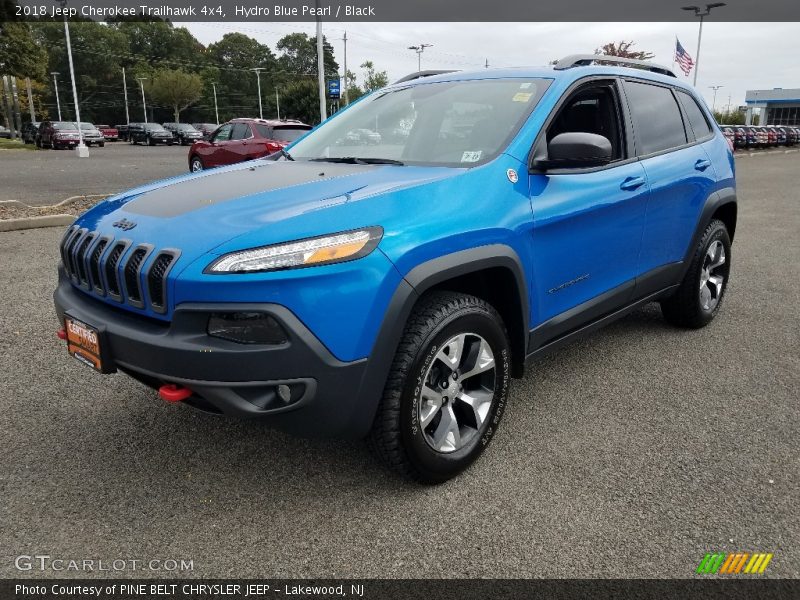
x,y
31,108
81,149
15,101
216,108
702,13
278,103
258,76
323,108
6,95
141,81
486,66
714,103
346,93
55,74
125,91
419,50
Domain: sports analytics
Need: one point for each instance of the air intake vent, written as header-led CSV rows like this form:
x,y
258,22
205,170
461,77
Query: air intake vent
x,y
80,259
94,266
133,289
111,270
157,279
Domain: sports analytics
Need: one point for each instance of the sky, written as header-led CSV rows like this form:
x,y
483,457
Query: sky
x,y
736,56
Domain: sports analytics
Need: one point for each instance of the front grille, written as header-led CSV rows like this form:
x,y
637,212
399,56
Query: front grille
x,y
106,267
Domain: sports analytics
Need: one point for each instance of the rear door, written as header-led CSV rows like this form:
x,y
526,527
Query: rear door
x,y
241,144
679,171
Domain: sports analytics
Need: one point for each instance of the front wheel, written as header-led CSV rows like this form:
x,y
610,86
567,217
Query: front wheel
x,y
699,297
447,389
195,165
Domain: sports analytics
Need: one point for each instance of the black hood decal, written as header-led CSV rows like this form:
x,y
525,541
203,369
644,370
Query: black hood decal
x,y
213,188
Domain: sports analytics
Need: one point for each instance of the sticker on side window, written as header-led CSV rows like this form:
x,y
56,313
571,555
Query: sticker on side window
x,y
471,156
522,97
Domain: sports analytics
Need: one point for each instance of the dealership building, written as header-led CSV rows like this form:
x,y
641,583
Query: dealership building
x,y
777,107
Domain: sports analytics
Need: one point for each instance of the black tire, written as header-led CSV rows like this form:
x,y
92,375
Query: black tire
x,y
102,144
397,437
150,142
198,160
685,308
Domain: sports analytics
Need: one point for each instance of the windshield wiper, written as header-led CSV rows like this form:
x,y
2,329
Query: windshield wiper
x,y
357,160
286,154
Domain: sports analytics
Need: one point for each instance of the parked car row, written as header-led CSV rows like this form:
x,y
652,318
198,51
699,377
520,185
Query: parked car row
x,y
761,136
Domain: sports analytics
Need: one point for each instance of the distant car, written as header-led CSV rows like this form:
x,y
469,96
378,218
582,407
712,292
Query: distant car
x,y
29,131
753,137
739,136
183,133
207,129
57,134
122,131
244,139
92,136
780,135
730,135
150,134
794,132
5,132
111,134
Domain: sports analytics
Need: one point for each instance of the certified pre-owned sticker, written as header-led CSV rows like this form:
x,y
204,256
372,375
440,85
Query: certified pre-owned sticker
x,y
512,176
471,156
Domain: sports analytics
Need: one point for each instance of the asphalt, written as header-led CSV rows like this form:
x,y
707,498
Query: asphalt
x,y
629,454
49,176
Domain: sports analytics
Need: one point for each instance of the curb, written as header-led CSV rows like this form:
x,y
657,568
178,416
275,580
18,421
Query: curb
x,y
36,222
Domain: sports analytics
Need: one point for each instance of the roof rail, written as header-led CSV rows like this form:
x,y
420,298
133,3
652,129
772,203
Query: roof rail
x,y
420,75
582,60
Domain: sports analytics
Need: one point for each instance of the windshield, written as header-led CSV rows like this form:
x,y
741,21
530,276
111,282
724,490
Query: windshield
x,y
184,127
87,126
152,127
289,134
63,125
460,123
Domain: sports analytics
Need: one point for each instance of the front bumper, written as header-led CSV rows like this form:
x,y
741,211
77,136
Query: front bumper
x,y
226,377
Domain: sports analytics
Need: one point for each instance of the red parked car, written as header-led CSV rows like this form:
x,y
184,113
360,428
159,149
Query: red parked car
x,y
111,134
239,140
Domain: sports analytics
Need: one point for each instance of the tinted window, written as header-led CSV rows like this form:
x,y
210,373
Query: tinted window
x,y
289,134
223,133
657,120
241,131
263,131
696,117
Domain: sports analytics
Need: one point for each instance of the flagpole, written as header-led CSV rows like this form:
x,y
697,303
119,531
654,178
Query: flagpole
x,y
674,53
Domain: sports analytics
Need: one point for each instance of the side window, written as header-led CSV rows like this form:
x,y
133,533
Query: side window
x,y
263,131
696,117
223,134
657,120
594,108
241,131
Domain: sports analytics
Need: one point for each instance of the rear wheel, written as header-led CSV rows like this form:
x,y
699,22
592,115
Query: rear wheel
x,y
700,295
447,388
102,144
195,165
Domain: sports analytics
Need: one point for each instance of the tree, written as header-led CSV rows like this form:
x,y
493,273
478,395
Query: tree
x,y
623,49
299,55
176,89
19,53
354,92
300,100
373,80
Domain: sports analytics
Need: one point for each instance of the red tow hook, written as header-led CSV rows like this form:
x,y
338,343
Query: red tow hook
x,y
62,334
174,393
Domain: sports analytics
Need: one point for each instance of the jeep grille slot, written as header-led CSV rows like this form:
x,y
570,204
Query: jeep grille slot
x,y
94,267
112,261
65,242
68,247
132,287
156,280
80,259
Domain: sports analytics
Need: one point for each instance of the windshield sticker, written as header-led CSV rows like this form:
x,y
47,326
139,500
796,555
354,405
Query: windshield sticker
x,y
471,156
525,86
522,97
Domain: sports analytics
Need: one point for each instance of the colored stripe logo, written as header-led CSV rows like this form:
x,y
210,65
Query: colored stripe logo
x,y
734,563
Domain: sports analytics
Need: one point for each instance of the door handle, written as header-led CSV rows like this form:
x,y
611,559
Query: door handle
x,y
702,164
632,183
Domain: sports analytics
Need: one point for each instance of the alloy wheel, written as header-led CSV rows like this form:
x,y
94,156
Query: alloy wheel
x,y
712,276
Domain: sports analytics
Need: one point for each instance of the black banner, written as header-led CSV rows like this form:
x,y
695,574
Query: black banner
x,y
398,10
369,589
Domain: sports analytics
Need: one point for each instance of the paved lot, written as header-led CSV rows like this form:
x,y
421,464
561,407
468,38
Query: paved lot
x,y
49,176
629,454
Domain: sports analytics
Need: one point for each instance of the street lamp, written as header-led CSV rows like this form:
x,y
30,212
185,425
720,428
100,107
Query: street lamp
x,y
55,74
141,81
419,50
714,103
702,13
216,110
258,76
81,149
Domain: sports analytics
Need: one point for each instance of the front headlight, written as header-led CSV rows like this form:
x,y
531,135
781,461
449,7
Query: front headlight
x,y
324,250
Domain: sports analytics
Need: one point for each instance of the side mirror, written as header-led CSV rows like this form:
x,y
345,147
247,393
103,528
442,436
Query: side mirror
x,y
576,150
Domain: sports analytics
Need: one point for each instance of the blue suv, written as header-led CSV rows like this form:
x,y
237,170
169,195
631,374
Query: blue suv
x,y
390,273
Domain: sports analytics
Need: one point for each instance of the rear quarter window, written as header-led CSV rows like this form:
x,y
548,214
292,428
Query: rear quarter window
x,y
697,118
657,120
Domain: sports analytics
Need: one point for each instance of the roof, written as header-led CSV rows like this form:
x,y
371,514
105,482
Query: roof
x,y
269,122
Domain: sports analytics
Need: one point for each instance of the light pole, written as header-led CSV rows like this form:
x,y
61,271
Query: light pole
x,y
714,103
55,74
419,50
81,149
141,81
216,109
278,103
258,76
702,13
323,104
125,91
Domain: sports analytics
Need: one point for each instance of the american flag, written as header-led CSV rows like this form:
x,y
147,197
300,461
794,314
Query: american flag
x,y
682,58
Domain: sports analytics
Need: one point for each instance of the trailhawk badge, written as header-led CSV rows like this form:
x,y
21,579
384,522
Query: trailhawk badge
x,y
512,176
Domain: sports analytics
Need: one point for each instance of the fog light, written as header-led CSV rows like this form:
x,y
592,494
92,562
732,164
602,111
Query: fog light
x,y
246,328
284,393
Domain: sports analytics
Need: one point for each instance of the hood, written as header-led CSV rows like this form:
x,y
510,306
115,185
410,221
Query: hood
x,y
276,200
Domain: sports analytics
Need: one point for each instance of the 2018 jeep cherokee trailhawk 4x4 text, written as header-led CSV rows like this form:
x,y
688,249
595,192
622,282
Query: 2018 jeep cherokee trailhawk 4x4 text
x,y
390,286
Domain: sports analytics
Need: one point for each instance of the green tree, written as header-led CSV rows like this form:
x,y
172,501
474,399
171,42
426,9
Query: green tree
x,y
20,55
373,80
624,49
299,55
353,90
160,44
176,89
300,100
